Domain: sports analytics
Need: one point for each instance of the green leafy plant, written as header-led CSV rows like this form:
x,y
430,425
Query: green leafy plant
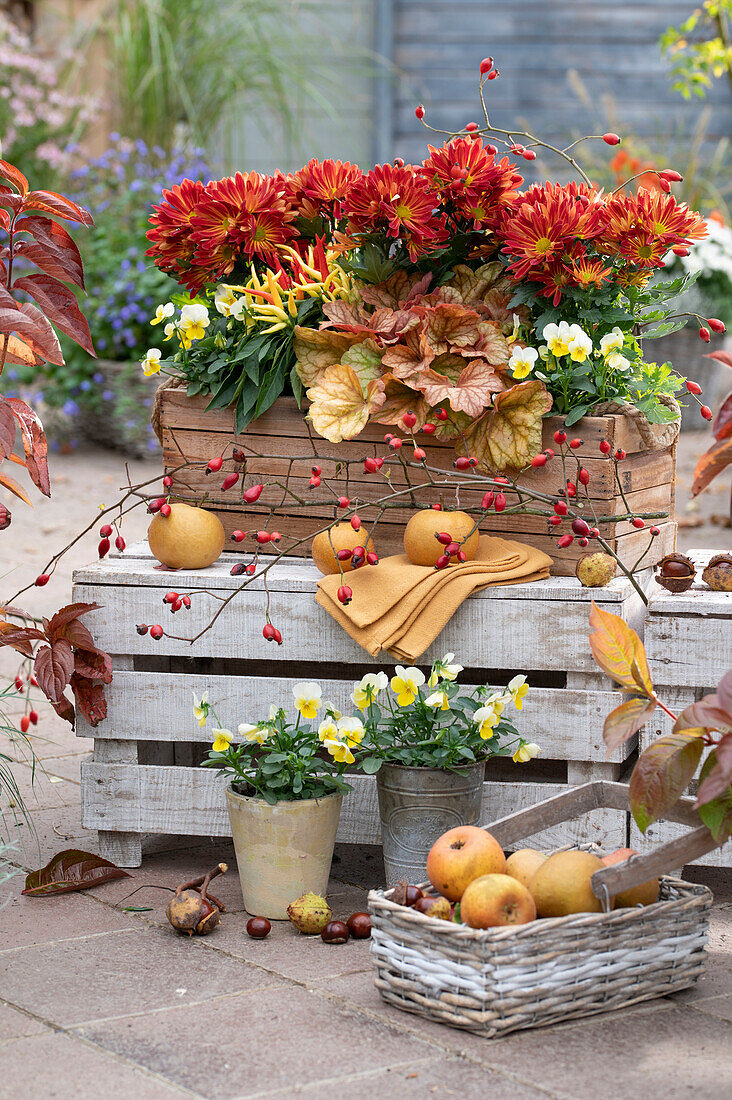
x,y
432,722
700,48
666,768
284,761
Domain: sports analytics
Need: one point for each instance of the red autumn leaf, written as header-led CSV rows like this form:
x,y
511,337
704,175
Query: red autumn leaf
x,y
716,459
11,484
619,652
65,709
722,426
7,429
37,331
11,198
626,720
90,700
716,812
410,356
60,306
35,445
398,291
55,243
93,665
467,390
721,357
48,202
724,691
19,351
449,325
71,870
13,175
66,615
709,713
20,637
54,665
662,774
716,774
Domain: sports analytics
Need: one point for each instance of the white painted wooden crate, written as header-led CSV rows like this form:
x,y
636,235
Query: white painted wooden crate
x,y
145,776
688,640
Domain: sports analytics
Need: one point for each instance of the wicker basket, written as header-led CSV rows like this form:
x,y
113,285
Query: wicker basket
x,y
504,979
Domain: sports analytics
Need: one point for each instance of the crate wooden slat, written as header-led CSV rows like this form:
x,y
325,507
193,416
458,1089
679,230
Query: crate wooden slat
x,y
688,640
281,448
145,776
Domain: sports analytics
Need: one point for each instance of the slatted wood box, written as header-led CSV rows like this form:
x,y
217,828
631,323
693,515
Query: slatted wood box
x,y
282,449
688,640
145,776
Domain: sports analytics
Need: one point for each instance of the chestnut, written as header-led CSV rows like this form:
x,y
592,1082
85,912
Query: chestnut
x,y
413,895
434,907
258,927
335,931
718,573
359,925
675,572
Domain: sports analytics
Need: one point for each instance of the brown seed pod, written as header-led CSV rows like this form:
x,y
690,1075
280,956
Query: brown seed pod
x,y
434,907
210,919
186,911
718,573
675,572
309,913
595,570
335,931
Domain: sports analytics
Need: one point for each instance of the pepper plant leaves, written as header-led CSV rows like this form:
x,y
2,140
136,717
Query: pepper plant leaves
x,y
71,870
619,652
662,774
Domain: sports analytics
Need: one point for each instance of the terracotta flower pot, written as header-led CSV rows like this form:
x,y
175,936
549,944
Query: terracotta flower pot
x,y
282,851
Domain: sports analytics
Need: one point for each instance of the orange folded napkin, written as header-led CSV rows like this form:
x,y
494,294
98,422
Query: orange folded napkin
x,y
395,604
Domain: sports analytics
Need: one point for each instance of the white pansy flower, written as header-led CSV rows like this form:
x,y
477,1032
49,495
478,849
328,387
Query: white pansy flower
x,y
239,309
580,344
612,341
371,685
558,338
308,698
200,708
351,731
526,752
151,362
616,361
162,313
522,361
438,700
224,299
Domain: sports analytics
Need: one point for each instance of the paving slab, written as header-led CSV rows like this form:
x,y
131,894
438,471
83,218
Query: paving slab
x,y
716,1006
61,1067
253,1043
48,832
15,1024
28,921
116,973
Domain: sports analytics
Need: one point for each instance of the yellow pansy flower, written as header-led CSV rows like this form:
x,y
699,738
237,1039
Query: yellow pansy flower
x,y
254,733
558,338
151,362
200,708
194,321
580,345
406,684
365,692
351,730
518,688
308,698
438,700
328,729
487,718
444,669
162,313
526,752
224,299
612,341
340,752
522,361
222,740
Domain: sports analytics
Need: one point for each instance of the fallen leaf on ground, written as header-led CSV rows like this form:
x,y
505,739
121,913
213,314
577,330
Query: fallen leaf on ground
x,y
69,871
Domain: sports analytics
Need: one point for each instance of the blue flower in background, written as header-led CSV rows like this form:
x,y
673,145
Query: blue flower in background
x,y
101,344
125,265
107,395
71,408
85,385
98,377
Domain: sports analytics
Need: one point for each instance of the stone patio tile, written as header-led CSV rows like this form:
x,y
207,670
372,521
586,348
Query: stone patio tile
x,y
28,921
716,1006
16,1025
116,973
258,1042
44,789
61,1067
439,1077
716,979
50,831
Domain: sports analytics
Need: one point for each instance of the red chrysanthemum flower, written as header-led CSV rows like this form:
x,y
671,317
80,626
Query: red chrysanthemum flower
x,y
172,248
546,225
319,189
586,272
642,249
649,216
469,178
398,202
240,218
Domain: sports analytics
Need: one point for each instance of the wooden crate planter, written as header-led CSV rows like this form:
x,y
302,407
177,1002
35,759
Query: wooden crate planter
x,y
286,451
145,777
688,640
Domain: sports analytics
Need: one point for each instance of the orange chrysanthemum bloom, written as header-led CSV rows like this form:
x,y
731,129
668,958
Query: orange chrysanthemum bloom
x,y
240,218
652,216
172,248
465,175
586,272
399,202
320,187
546,224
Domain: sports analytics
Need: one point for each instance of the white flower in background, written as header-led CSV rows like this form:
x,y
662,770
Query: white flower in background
x,y
438,700
151,362
713,254
612,341
526,752
224,299
518,688
162,313
580,345
558,338
445,669
351,731
308,698
522,361
616,361
200,708
406,684
371,685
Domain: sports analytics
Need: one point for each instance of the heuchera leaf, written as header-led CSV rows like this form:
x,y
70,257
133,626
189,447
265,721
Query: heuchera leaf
x,y
509,435
619,652
340,405
470,392
716,813
71,870
716,459
662,774
365,359
401,399
318,349
626,720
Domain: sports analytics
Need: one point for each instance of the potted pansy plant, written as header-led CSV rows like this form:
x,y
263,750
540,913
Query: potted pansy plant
x,y
286,785
428,740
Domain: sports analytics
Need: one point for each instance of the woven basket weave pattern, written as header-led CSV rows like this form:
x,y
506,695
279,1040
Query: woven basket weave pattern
x,y
500,980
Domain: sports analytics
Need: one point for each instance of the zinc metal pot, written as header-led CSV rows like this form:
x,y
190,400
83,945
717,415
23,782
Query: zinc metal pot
x,y
282,851
417,805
